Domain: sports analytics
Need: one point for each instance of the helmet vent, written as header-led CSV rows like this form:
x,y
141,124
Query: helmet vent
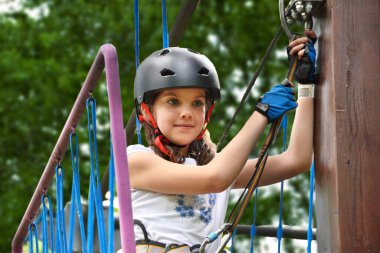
x,y
167,72
203,71
165,52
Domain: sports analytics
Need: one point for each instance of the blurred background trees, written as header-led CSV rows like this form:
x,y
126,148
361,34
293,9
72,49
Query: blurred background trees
x,y
47,48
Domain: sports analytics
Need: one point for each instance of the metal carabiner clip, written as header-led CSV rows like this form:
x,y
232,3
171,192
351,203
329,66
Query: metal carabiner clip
x,y
215,235
224,243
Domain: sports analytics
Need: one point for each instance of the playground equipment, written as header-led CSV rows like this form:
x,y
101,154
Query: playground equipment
x,y
354,228
61,146
107,59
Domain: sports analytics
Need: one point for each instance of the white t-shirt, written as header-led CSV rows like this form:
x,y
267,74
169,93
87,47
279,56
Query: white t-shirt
x,y
179,219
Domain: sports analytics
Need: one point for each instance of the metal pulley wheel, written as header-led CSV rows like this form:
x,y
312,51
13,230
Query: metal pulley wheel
x,y
298,12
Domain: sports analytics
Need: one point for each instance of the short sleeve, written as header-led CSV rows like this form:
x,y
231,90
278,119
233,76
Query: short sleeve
x,y
137,148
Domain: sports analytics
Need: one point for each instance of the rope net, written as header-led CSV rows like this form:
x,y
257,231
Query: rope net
x,y
74,222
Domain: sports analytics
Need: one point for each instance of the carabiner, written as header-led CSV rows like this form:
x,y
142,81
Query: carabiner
x,y
224,243
213,236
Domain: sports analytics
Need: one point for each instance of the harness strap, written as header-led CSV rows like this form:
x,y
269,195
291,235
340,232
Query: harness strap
x,y
143,229
151,121
160,137
156,247
150,246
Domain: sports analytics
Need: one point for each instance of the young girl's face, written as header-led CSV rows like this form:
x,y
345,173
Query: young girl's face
x,y
180,114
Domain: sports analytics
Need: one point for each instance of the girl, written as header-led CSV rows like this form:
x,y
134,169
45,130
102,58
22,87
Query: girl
x,y
180,185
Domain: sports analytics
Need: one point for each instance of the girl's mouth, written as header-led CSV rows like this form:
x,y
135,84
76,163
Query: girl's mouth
x,y
184,125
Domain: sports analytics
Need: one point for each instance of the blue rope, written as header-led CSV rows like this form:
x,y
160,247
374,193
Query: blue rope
x,y
90,218
233,241
57,243
75,197
33,230
111,221
60,219
72,220
90,226
45,210
284,125
165,35
94,173
137,58
309,228
253,226
138,130
279,229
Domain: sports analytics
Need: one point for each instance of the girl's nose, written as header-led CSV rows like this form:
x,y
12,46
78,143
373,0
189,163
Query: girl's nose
x,y
186,112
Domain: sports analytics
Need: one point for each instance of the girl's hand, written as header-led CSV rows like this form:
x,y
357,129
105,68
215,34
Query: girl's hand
x,y
276,102
304,49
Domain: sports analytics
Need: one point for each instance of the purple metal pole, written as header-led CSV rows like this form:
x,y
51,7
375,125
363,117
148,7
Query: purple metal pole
x,y
105,57
119,150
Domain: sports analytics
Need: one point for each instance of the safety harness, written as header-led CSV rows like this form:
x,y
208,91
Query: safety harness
x,y
149,246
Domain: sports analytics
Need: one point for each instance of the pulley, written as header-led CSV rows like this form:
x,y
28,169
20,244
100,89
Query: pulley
x,y
298,12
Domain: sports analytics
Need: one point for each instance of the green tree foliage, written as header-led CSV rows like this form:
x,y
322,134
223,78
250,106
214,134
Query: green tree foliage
x,y
47,48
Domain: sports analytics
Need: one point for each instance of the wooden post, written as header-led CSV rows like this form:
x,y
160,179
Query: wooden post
x,y
347,129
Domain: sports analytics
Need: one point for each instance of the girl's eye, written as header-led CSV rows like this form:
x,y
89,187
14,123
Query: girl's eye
x,y
173,101
198,103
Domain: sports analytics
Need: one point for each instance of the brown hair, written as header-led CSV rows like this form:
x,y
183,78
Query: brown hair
x,y
203,150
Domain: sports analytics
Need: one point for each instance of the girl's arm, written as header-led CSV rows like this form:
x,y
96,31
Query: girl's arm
x,y
151,172
296,159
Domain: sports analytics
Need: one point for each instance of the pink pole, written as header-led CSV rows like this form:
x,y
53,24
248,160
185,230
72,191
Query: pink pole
x,y
106,58
119,148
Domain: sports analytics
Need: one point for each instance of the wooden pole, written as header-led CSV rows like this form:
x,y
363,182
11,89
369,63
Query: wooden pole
x,y
347,129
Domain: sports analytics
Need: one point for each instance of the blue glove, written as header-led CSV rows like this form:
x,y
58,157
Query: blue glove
x,y
305,71
276,102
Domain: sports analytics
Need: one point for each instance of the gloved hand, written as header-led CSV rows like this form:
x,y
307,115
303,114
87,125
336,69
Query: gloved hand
x,y
305,72
276,102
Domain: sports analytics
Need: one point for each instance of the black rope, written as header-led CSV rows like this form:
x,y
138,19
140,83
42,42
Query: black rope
x,y
242,203
251,83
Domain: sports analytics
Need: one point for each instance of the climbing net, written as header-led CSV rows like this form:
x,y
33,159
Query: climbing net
x,y
50,224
